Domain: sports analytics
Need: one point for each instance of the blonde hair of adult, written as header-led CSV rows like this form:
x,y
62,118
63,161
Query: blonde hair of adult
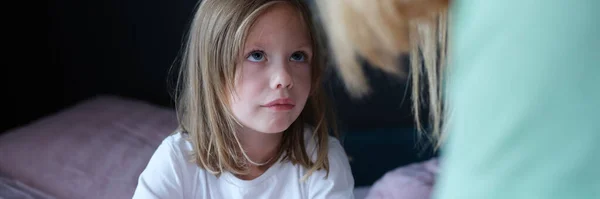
x,y
212,51
380,31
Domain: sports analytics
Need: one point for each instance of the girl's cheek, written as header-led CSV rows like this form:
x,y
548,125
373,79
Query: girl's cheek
x,y
252,76
302,74
252,67
303,68
249,69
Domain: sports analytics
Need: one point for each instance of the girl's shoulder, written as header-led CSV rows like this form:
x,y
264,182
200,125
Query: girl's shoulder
x,y
333,143
336,154
175,149
178,140
338,182
177,146
170,171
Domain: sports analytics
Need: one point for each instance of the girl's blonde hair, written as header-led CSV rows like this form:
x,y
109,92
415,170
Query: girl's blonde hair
x,y
381,31
213,48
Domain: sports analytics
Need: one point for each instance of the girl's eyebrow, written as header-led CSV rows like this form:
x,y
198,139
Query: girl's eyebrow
x,y
257,44
304,45
253,46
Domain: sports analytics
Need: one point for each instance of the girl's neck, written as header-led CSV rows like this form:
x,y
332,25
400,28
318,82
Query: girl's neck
x,y
260,147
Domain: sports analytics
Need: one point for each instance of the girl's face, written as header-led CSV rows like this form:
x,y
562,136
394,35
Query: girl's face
x,y
273,77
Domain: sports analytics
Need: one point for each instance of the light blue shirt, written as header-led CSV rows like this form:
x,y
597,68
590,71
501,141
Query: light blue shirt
x,y
524,91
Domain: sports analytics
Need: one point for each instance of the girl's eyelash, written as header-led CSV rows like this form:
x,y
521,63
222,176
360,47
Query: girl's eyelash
x,y
254,51
303,53
263,52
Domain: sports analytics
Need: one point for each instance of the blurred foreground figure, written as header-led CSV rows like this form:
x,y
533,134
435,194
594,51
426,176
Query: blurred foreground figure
x,y
512,87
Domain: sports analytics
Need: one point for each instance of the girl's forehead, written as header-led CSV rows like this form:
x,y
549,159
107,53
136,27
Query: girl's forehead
x,y
279,21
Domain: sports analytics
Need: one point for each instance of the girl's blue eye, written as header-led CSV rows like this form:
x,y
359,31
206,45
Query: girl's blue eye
x,y
298,57
256,56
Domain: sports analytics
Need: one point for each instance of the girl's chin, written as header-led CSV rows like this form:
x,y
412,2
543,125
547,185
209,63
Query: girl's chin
x,y
276,127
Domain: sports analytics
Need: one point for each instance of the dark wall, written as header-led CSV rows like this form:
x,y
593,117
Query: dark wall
x,y
118,47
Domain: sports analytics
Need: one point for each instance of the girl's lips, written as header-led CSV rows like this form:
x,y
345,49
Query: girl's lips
x,y
281,104
281,107
281,101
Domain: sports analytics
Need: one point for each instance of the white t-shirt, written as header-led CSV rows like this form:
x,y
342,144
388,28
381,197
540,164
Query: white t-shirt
x,y
170,174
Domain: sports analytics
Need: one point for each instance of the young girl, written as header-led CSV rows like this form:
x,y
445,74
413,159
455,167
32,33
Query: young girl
x,y
253,122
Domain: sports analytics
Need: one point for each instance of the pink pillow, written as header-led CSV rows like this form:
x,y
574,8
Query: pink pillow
x,y
95,149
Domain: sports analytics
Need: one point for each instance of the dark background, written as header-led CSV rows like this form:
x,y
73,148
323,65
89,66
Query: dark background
x,y
127,47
